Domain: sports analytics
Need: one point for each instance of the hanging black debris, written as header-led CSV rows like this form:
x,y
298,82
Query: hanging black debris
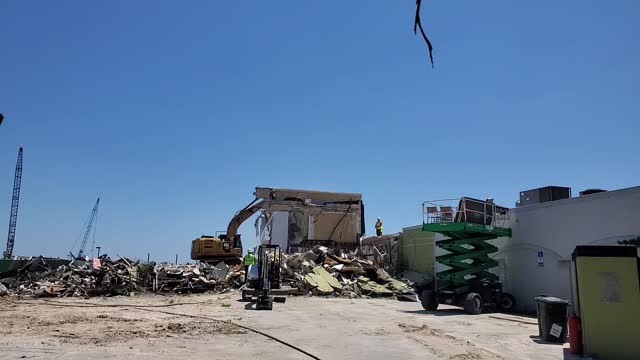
x,y
418,24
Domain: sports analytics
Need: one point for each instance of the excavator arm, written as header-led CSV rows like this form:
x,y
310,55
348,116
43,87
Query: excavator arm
x,y
227,247
240,217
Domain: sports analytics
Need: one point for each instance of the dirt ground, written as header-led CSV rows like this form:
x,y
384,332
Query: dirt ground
x,y
149,327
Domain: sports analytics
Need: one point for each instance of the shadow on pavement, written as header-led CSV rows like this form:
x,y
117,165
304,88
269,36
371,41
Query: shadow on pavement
x,y
568,356
444,312
537,339
454,311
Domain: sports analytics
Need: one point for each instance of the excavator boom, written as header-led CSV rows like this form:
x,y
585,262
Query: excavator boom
x,y
227,247
240,217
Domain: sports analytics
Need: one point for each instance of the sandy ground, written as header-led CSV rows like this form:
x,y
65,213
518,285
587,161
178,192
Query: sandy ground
x,y
326,328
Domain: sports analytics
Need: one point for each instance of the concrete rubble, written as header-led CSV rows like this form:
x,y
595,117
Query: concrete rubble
x,y
105,277
321,271
197,278
101,276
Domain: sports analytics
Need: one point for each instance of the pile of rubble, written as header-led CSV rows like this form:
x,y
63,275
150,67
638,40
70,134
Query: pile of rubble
x,y
197,278
100,276
322,272
319,271
104,277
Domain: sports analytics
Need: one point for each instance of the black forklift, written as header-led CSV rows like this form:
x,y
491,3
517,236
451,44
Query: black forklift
x,y
266,287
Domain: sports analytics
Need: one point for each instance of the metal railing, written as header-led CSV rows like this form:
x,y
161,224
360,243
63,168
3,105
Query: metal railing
x,y
465,210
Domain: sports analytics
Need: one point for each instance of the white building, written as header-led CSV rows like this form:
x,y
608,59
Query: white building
x,y
536,259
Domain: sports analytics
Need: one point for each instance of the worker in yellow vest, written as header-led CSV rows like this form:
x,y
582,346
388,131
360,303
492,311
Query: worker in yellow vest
x,y
379,227
249,259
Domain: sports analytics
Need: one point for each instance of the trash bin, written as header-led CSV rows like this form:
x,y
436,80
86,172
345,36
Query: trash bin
x,y
539,311
552,318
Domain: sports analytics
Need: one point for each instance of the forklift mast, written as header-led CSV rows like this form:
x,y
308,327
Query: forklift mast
x,y
269,262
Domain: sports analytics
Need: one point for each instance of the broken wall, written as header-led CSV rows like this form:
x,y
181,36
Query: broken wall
x,y
339,227
314,218
297,226
272,229
381,250
416,251
316,197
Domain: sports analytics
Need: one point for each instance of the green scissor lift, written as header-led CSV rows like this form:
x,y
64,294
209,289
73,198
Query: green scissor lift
x,y
467,282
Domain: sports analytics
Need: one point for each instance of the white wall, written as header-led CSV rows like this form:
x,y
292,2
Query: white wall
x,y
556,228
276,231
280,228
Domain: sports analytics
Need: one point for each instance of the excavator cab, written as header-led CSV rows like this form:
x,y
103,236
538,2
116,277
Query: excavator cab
x,y
226,244
215,249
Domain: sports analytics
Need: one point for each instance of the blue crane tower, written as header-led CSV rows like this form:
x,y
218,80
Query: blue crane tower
x,y
87,230
13,218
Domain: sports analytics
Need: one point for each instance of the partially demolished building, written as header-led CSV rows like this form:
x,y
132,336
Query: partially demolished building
x,y
298,220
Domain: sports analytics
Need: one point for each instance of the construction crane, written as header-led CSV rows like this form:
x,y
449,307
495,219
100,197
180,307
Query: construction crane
x,y
87,231
13,218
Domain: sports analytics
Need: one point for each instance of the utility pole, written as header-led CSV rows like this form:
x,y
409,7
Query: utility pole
x,y
148,256
176,259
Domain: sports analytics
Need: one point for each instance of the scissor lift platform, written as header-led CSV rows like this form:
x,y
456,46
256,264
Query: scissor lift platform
x,y
468,227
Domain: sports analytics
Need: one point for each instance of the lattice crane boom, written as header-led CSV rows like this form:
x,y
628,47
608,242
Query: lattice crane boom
x,y
15,200
87,231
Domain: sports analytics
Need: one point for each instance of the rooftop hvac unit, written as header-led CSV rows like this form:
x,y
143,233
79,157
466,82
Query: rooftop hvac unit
x,y
591,191
543,194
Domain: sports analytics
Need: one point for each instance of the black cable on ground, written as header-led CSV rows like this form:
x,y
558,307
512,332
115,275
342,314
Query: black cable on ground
x,y
88,304
238,325
147,308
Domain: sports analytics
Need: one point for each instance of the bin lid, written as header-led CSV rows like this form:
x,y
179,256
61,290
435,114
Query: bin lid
x,y
604,251
551,300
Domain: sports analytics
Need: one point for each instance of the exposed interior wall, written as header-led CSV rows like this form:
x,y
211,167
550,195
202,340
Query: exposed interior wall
x,y
416,251
274,230
295,227
292,225
323,217
279,222
346,227
554,229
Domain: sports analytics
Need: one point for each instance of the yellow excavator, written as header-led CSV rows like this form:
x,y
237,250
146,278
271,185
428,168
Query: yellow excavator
x,y
225,247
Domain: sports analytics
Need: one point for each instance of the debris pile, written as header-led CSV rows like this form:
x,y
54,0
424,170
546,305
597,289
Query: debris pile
x,y
322,272
197,278
100,276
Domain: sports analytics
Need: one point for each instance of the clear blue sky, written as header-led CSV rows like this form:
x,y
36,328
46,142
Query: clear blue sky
x,y
174,111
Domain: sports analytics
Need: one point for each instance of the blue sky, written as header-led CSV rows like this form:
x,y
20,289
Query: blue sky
x,y
173,112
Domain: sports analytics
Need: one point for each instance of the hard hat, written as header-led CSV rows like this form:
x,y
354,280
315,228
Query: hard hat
x,y
250,251
378,217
